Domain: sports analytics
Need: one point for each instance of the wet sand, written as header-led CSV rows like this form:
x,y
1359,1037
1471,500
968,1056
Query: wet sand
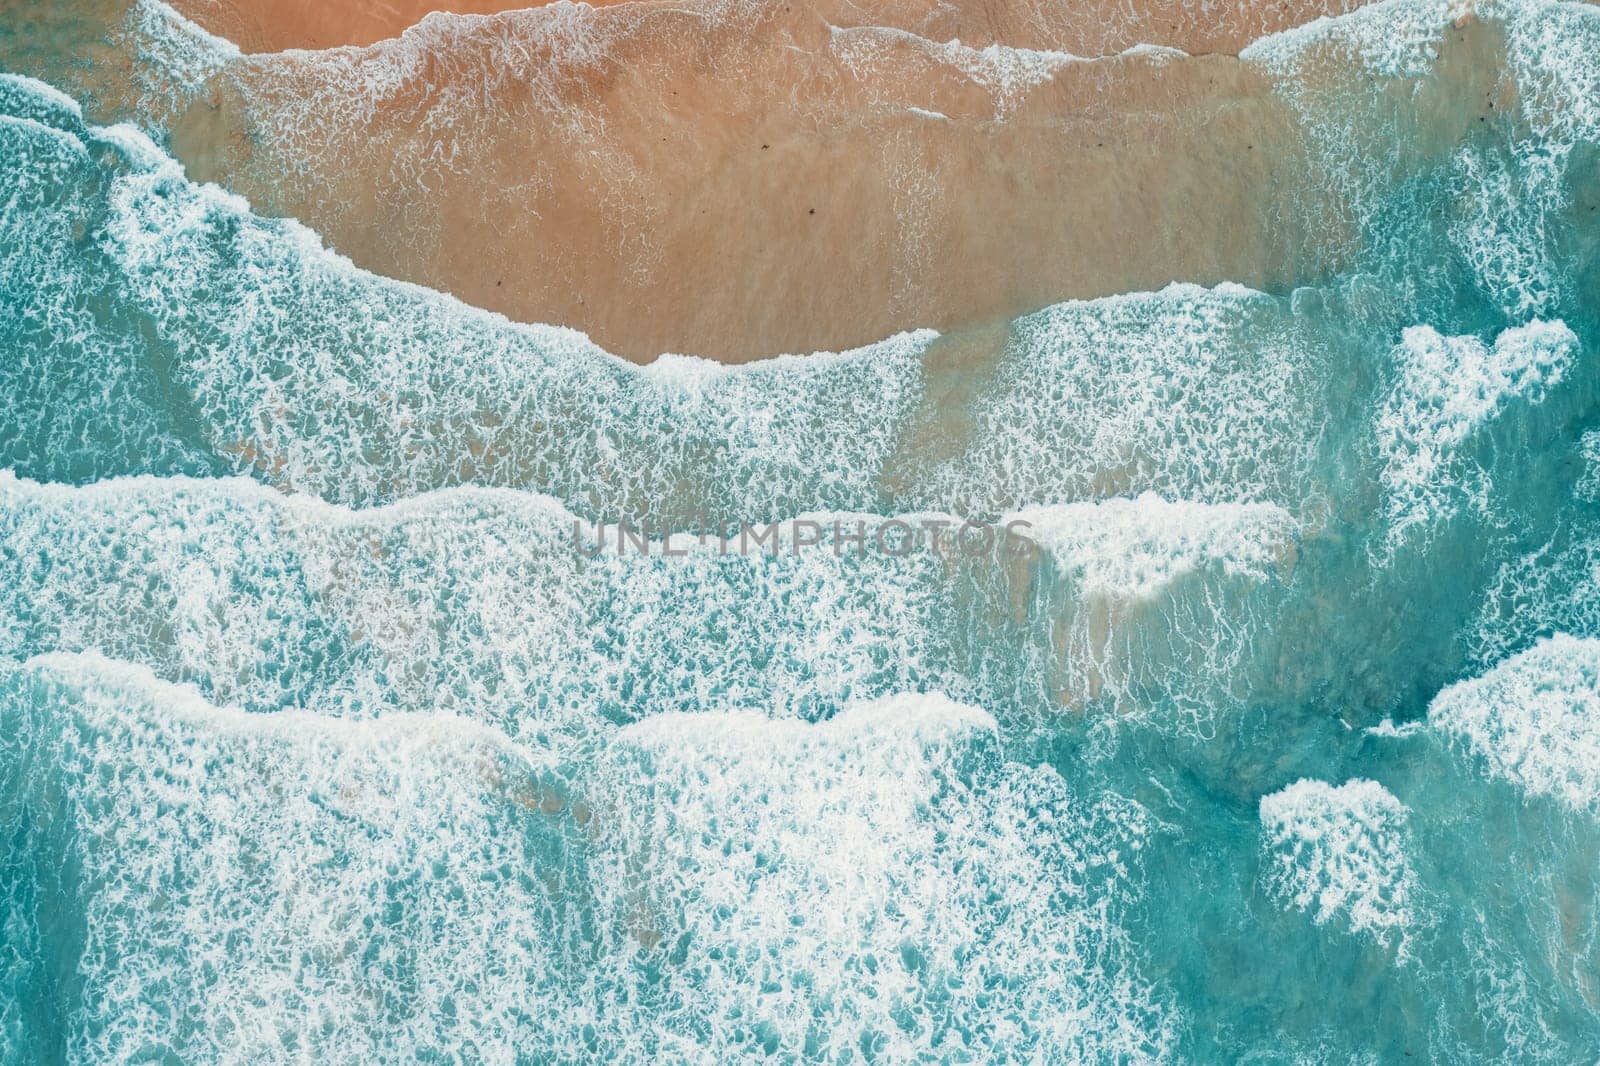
x,y
277,25
1098,27
737,180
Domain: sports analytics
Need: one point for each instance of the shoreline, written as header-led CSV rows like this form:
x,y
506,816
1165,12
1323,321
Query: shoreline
x,y
737,182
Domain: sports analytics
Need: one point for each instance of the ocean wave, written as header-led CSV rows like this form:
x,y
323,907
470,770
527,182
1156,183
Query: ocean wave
x,y
1531,720
275,357
418,886
232,886
1443,428
505,608
340,720
1340,852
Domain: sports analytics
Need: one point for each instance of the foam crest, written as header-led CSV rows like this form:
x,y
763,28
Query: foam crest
x,y
1394,39
1138,593
488,605
1532,720
1459,406
507,609
1551,52
176,58
274,357
1008,75
419,886
289,364
232,888
30,98
1341,852
1137,549
879,877
1212,395
81,392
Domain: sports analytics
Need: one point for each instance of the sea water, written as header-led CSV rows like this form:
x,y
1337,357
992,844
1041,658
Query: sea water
x,y
1276,737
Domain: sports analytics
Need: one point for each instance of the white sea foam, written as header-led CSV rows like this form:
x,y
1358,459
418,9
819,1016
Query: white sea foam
x,y
250,888
314,375
1455,407
1553,50
1588,487
265,886
1341,853
1550,585
1393,93
1133,550
175,59
480,602
1212,395
1008,75
877,877
476,602
293,366
1138,593
1533,720
30,98
1389,730
1391,39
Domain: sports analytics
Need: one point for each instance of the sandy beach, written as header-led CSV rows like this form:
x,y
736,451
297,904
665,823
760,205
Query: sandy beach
x,y
1098,28
738,180
315,24
743,180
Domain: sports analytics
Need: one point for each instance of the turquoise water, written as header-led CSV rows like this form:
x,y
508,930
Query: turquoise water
x,y
321,743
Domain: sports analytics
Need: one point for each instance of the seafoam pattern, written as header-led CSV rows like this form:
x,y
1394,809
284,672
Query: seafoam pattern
x,y
275,357
1525,722
506,608
1212,395
879,878
1340,853
1533,720
238,888
1139,594
474,602
420,886
1457,406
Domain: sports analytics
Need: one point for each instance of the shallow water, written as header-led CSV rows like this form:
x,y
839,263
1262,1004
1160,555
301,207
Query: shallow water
x,y
1268,733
